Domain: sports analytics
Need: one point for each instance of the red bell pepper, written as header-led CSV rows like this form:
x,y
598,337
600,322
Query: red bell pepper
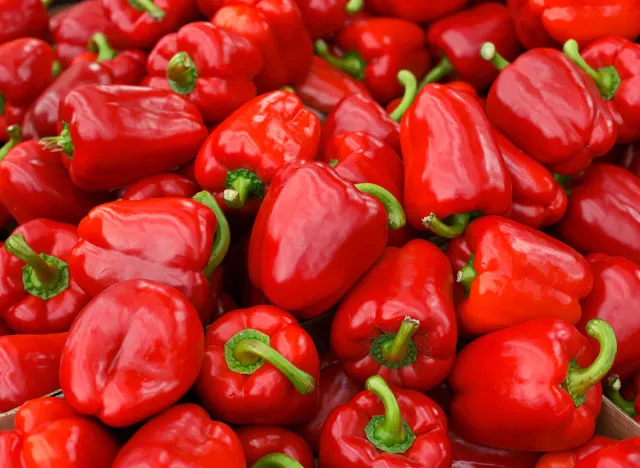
x,y
139,24
277,29
161,186
533,386
37,293
183,435
417,11
35,184
513,273
603,213
267,446
453,168
169,240
122,370
456,39
260,367
399,320
29,367
573,126
385,427
624,453
24,18
242,155
630,159
469,455
114,135
48,432
537,198
325,18
569,458
190,62
375,50
338,237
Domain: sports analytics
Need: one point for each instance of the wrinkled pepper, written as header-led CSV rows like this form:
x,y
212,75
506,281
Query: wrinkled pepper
x,y
418,11
161,186
268,446
623,453
569,458
24,18
470,455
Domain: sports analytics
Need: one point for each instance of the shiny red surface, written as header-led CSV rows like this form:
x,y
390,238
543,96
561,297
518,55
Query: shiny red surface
x,y
323,17
624,453
569,458
23,18
259,441
128,67
419,11
470,455
161,186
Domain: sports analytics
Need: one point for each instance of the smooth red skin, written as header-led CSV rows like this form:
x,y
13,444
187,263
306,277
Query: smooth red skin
x,y
459,37
336,388
263,135
161,186
603,213
183,435
259,441
417,11
309,246
168,240
574,124
325,17
35,184
569,458
128,67
124,133
523,274
538,199
414,281
325,86
631,159
266,396
624,56
387,45
117,367
452,164
469,455
624,453
25,313
226,63
526,18
343,441
276,27
23,18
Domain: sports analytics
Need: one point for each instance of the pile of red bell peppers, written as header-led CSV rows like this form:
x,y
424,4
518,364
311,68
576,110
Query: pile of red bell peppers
x,y
338,233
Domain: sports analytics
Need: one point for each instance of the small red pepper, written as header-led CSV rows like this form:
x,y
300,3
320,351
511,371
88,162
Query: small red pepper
x,y
469,455
417,11
269,446
151,131
573,126
24,18
399,320
385,427
160,186
569,458
624,453
337,237
242,155
260,367
325,18
603,213
183,435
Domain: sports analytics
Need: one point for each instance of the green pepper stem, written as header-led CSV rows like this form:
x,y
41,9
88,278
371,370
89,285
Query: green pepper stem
x,y
399,347
354,6
15,137
288,89
455,229
467,274
563,180
607,79
47,3
390,431
490,54
56,69
17,246
242,184
182,73
148,6
250,351
613,392
276,460
61,142
223,233
441,70
99,44
408,80
2,101
396,217
350,63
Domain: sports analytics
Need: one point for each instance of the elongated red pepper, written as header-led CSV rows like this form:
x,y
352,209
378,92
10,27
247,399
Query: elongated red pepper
x,y
569,458
260,367
624,453
468,455
266,446
242,155
533,386
418,11
603,213
291,274
24,18
324,18
387,326
161,186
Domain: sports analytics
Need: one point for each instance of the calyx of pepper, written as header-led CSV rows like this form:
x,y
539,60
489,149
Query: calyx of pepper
x,y
444,68
276,460
15,137
396,350
467,274
222,239
61,142
453,226
354,6
612,390
408,80
99,44
489,53
182,73
350,62
396,217
606,79
242,185
149,7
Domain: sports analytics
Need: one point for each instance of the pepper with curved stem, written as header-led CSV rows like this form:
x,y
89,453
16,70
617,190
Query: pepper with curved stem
x,y
450,228
351,62
607,79
396,216
408,80
397,350
150,7
15,137
489,53
276,460
182,73
612,390
441,70
354,6
99,44
223,232
242,184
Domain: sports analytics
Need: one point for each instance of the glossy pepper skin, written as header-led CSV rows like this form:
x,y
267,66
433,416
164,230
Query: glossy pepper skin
x,y
116,367
161,186
386,427
260,367
37,293
48,432
624,453
469,455
399,320
417,11
183,435
142,132
210,66
260,441
572,128
513,273
23,18
544,372
324,18
452,164
603,213
569,458
243,154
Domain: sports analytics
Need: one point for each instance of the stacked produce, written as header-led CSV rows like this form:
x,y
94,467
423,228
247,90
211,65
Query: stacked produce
x,y
351,233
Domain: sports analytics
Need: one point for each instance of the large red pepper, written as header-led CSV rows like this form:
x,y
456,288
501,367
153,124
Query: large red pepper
x,y
48,432
385,427
453,167
24,18
513,273
399,320
242,155
268,446
190,62
418,11
603,213
326,17
338,236
569,458
114,135
624,453
37,292
468,455
160,186
183,435
550,109
260,367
